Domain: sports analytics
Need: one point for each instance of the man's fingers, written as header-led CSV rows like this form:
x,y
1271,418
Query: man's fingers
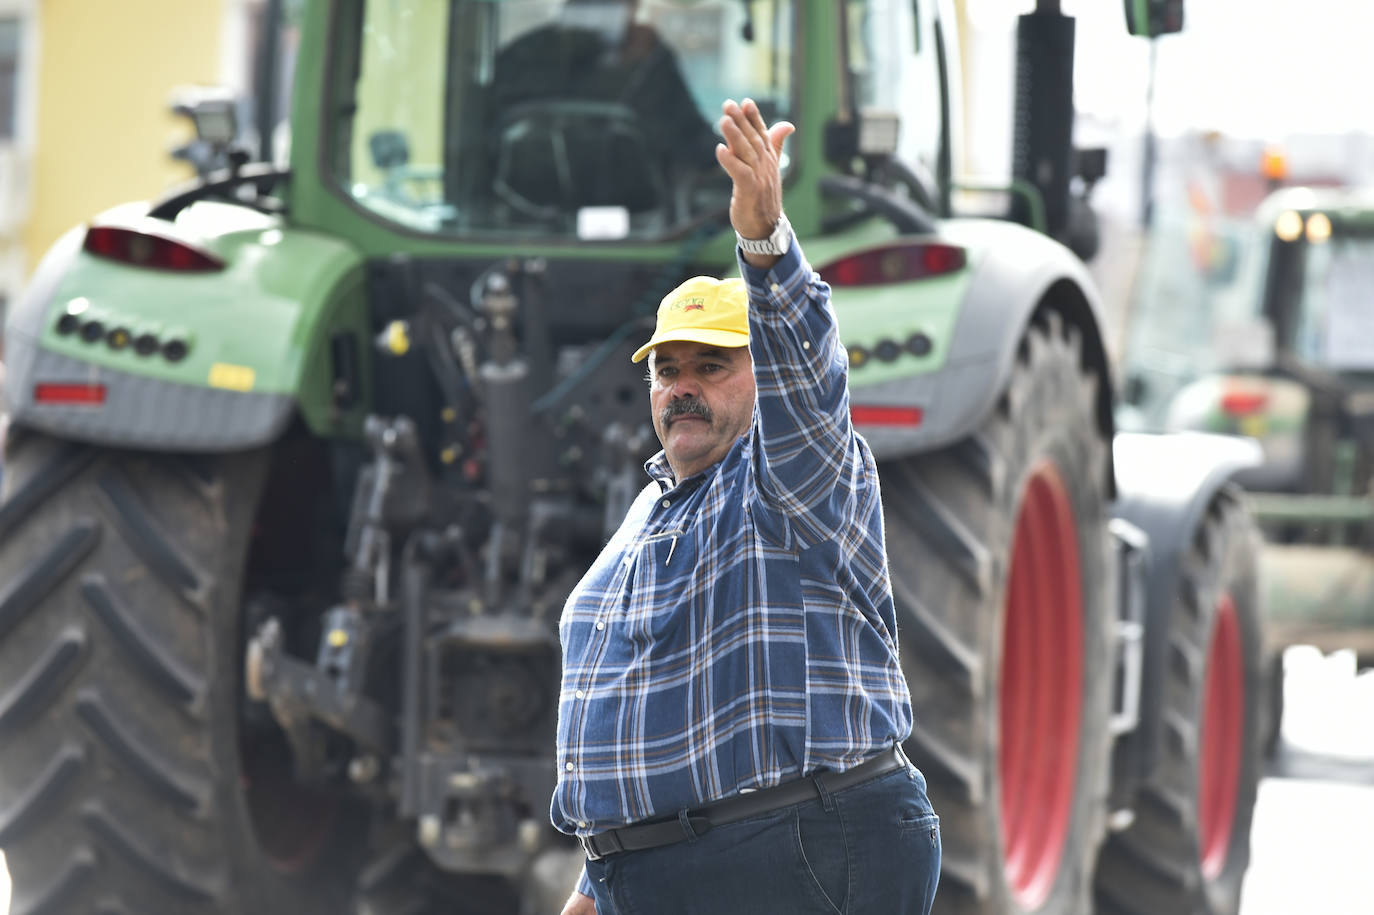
x,y
755,117
737,170
747,136
733,133
778,133
738,144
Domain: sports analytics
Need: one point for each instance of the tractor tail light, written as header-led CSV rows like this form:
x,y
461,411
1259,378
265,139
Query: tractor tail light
x,y
895,263
69,394
864,415
1243,402
144,249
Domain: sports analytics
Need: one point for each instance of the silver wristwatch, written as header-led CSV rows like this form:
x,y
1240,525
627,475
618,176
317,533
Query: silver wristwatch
x,y
777,242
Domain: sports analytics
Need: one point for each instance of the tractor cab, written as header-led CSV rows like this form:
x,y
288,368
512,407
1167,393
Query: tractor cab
x,y
1281,350
594,120
568,119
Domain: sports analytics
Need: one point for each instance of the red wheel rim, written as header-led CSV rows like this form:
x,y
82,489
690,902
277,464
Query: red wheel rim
x,y
1223,721
1041,687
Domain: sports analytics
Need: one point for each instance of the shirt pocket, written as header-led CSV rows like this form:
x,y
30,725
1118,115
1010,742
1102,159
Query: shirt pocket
x,y
659,586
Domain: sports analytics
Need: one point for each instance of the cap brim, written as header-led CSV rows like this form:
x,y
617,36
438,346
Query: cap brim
x,y
709,336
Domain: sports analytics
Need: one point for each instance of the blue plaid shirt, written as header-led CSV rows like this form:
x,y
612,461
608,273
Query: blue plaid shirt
x,y
738,630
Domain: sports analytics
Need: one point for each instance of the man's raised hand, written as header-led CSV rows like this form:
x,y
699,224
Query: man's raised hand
x,y
751,155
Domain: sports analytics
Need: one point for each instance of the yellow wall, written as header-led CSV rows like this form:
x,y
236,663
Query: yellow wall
x,y
105,73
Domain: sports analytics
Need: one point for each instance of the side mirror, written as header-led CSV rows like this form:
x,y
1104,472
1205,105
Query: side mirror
x,y
1150,18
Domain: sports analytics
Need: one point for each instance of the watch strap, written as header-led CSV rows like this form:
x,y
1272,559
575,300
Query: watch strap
x,y
777,242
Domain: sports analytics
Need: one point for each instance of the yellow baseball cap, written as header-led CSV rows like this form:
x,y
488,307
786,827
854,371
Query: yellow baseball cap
x,y
702,310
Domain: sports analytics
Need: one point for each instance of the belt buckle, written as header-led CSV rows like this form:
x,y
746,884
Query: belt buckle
x,y
588,848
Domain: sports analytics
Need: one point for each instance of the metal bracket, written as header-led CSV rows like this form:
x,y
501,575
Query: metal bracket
x,y
298,691
1132,548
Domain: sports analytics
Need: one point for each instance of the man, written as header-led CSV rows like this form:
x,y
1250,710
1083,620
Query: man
x,y
732,708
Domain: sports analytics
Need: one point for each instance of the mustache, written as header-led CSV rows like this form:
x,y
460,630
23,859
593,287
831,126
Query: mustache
x,y
685,407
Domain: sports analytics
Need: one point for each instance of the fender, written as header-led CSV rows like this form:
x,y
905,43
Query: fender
x,y
1013,271
1164,485
231,355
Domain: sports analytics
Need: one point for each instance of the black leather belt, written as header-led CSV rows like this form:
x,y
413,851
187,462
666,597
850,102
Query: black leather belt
x,y
640,836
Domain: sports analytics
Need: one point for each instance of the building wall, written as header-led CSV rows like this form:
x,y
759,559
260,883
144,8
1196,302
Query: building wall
x,y
102,126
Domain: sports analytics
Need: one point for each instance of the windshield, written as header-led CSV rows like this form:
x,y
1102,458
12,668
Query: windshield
x,y
1224,296
587,119
1333,324
894,65
1188,302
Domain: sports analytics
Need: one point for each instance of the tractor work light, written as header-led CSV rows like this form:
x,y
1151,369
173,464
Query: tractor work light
x,y
144,249
1289,225
895,263
1318,228
919,344
92,331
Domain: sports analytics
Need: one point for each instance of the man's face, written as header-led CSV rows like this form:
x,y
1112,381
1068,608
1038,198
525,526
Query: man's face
x,y
702,399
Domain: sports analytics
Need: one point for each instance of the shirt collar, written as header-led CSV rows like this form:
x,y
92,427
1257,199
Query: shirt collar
x,y
658,469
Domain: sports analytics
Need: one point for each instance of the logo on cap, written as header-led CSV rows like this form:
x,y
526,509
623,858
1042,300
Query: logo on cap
x,y
703,310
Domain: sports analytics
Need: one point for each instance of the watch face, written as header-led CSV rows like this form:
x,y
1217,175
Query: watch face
x,y
775,243
778,237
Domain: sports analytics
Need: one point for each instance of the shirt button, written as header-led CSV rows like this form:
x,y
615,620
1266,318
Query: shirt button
x,y
600,624
569,766
667,503
581,824
775,287
580,694
806,344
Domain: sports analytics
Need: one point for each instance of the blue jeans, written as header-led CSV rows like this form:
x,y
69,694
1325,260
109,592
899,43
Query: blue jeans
x,y
873,849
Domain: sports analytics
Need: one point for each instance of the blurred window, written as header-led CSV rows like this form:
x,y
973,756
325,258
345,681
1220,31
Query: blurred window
x,y
9,75
893,63
590,119
1334,326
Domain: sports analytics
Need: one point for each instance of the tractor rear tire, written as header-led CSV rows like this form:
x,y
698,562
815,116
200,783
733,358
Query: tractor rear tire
x,y
1189,845
127,783
1002,581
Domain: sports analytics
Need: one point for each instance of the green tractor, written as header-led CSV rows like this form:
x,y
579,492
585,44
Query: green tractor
x,y
303,461
1281,352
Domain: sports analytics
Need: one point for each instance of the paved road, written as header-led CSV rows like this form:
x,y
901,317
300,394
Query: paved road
x,y
1311,839
1312,851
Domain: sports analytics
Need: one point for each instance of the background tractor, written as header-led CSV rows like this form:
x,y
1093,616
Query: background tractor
x,y
1280,351
304,460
